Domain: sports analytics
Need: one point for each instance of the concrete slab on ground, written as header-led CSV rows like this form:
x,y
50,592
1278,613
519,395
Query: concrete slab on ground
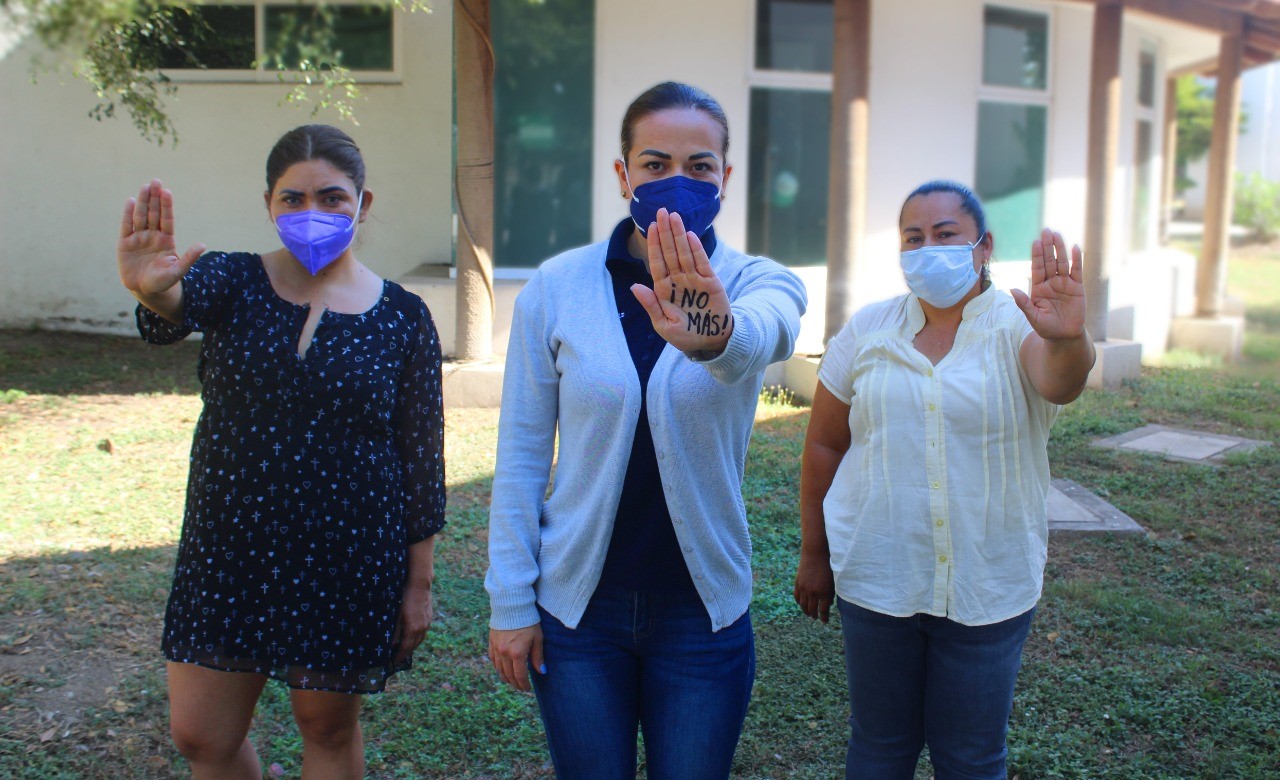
x,y
1180,444
1074,510
475,384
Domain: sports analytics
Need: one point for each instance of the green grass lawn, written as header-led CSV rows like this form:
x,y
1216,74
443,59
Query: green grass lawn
x,y
1155,657
1253,276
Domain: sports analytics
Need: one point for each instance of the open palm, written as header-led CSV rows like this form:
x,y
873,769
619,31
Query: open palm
x,y
146,252
688,305
1056,305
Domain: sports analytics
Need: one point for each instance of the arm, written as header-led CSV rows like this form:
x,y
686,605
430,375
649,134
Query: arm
x,y
1059,354
732,341
420,439
416,608
146,255
825,443
526,444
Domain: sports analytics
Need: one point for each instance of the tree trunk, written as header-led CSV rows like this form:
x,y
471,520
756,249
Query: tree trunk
x,y
847,191
473,180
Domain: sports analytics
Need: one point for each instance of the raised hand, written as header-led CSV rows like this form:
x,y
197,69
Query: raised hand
x,y
146,252
1055,307
687,305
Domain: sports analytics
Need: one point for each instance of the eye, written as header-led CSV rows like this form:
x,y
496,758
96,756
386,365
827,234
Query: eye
x,y
703,167
292,200
912,239
653,165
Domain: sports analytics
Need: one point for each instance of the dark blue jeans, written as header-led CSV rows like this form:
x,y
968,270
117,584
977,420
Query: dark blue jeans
x,y
645,661
926,679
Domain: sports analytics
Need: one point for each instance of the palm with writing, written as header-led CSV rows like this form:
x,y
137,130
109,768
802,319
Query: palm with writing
x,y
687,305
1056,306
146,252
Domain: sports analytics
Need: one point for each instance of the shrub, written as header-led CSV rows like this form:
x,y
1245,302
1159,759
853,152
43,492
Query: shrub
x,y
1257,205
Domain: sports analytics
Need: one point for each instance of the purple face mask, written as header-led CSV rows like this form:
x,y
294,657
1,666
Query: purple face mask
x,y
316,238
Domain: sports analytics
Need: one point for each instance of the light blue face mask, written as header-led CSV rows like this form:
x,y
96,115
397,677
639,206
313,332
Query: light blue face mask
x,y
941,274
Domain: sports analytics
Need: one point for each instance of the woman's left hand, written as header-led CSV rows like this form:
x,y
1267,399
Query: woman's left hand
x,y
687,305
1055,307
416,611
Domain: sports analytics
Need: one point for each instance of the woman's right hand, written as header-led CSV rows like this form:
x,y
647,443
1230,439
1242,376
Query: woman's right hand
x,y
815,587
512,652
149,264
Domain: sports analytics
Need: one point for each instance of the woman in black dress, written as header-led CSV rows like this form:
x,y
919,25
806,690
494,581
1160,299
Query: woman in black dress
x,y
317,468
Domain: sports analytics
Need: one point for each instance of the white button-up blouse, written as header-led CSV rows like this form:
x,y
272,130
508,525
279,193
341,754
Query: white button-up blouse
x,y
939,505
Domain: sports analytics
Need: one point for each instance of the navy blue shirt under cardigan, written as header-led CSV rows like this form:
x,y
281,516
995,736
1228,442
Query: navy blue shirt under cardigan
x,y
644,553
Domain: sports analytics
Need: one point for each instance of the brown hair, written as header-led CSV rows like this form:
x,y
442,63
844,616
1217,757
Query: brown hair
x,y
315,142
670,94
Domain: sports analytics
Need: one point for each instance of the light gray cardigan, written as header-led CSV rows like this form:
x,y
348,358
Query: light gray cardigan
x,y
568,363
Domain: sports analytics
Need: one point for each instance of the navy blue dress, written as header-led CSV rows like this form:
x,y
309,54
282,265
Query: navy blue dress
x,y
309,479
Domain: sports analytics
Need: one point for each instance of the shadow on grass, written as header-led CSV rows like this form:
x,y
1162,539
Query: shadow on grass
x,y
64,363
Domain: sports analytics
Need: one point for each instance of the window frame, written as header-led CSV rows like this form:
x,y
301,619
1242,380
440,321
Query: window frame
x,y
1022,96
1152,116
775,80
264,75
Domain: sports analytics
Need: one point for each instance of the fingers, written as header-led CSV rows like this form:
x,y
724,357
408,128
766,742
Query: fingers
x,y
536,659
126,224
680,239
701,263
667,242
189,259
1077,263
824,610
649,300
657,263
154,196
1061,263
509,655
140,208
166,212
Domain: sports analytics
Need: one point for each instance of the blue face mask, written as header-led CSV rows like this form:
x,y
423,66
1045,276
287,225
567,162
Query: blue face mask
x,y
697,202
942,274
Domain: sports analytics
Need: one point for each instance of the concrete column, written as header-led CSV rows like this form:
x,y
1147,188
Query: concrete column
x,y
473,69
847,193
1104,153
1211,272
1169,176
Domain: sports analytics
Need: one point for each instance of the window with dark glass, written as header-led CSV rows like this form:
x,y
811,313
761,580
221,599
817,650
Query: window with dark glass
x,y
361,35
794,35
224,37
1147,79
542,128
1010,180
787,193
1015,48
210,37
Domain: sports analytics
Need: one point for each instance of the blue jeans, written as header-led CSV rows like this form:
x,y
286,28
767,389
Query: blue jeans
x,y
926,679
649,661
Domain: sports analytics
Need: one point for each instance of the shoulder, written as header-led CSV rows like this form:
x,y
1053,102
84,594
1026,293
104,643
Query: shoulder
x,y
573,262
566,272
407,307
890,313
740,272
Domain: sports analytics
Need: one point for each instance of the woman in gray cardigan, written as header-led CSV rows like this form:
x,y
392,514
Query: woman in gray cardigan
x,y
626,588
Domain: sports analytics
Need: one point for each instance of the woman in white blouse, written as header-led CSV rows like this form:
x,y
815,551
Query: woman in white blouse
x,y
923,487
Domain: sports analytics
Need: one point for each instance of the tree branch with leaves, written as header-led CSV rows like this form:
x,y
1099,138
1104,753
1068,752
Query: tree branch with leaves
x,y
122,47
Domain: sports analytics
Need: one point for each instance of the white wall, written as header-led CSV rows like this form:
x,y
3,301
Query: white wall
x,y
66,177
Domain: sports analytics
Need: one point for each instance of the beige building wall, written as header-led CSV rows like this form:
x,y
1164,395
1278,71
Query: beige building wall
x,y
66,177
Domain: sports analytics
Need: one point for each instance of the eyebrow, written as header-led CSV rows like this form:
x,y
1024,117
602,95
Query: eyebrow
x,y
655,153
936,225
325,191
